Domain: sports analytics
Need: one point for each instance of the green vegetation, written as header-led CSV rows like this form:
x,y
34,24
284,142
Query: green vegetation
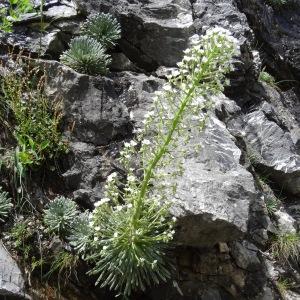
x,y
5,204
283,285
127,237
81,234
22,237
264,76
286,247
132,227
272,204
104,28
86,55
60,215
279,3
63,264
13,12
34,120
87,52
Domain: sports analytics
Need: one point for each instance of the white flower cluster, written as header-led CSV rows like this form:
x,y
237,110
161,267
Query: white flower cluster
x,y
139,210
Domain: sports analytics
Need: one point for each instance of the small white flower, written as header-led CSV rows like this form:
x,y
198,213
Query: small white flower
x,y
111,177
104,247
133,143
129,205
126,145
96,238
137,130
175,73
116,234
119,207
204,59
102,201
174,219
167,87
97,228
146,142
131,178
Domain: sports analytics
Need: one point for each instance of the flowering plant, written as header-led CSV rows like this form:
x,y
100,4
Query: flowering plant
x,y
132,224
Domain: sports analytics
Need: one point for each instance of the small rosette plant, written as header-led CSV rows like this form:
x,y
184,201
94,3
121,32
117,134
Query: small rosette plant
x,y
132,226
87,56
104,28
60,215
5,204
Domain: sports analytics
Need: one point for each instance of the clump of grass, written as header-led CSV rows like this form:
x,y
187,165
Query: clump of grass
x,y
31,118
87,56
104,28
266,77
272,204
5,204
286,247
64,263
60,215
280,3
283,286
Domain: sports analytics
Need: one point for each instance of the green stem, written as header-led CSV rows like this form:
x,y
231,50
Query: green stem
x,y
161,152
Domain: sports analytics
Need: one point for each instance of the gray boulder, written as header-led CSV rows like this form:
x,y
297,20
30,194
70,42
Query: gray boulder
x,y
154,32
93,107
215,192
11,279
271,148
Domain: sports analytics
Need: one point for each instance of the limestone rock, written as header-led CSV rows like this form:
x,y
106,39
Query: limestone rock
x,y
11,279
215,192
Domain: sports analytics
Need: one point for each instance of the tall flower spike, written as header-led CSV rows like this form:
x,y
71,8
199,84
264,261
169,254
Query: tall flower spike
x,y
129,251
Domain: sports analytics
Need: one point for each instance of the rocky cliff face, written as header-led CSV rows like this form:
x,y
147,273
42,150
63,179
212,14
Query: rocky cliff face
x,y
250,149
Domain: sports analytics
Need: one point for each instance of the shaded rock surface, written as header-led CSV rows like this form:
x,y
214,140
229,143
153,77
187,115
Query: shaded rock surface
x,y
281,45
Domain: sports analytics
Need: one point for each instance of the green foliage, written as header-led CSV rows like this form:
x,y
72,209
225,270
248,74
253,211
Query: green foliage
x,y
279,3
13,12
283,286
5,204
35,119
81,234
286,247
63,263
104,28
22,238
131,257
272,204
267,78
60,215
133,226
86,55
